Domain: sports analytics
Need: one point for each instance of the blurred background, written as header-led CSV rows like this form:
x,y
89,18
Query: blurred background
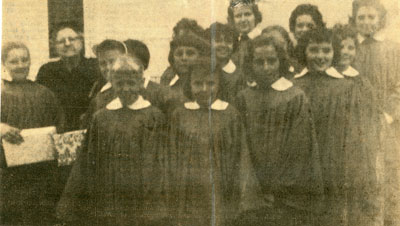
x,y
150,21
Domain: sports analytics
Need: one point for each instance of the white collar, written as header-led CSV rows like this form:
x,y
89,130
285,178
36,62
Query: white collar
x,y
106,87
230,67
254,33
282,84
146,82
330,71
174,80
140,103
218,105
379,36
6,76
350,72
291,69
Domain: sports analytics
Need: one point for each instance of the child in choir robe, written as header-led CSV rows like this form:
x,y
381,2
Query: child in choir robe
x,y
362,137
334,111
281,137
281,36
179,63
206,143
303,18
107,52
244,16
378,60
224,42
185,51
27,192
117,178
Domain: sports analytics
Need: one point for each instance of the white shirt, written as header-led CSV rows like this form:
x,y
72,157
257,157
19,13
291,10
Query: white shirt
x,y
281,84
230,67
140,103
218,105
332,72
350,72
380,37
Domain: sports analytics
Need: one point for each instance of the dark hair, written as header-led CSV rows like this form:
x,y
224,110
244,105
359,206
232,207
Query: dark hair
x,y
357,4
107,45
63,25
138,49
217,29
318,36
189,40
7,47
281,31
306,9
260,41
205,65
188,26
254,8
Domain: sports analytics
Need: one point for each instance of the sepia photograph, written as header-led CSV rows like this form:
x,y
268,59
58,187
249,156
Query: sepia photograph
x,y
200,113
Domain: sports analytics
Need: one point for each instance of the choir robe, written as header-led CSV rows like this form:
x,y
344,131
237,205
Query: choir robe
x,y
27,192
283,148
333,105
204,161
167,76
151,91
379,61
361,148
117,178
231,81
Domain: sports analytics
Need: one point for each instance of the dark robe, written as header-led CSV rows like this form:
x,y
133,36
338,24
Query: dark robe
x,y
337,107
28,194
72,88
204,159
167,76
379,62
117,178
283,150
231,83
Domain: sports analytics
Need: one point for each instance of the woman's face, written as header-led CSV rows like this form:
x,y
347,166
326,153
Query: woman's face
x,y
68,43
244,19
319,56
127,85
265,64
367,20
17,63
204,87
278,37
106,60
184,57
347,52
304,23
223,47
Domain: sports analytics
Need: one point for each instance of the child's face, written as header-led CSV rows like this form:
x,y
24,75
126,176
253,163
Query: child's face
x,y
127,85
319,56
347,52
17,63
204,87
304,23
184,57
277,36
223,46
265,64
106,60
367,20
244,18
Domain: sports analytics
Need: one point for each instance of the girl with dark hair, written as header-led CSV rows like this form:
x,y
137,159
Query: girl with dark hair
x,y
281,137
347,158
206,145
244,16
224,43
180,57
378,60
281,37
28,193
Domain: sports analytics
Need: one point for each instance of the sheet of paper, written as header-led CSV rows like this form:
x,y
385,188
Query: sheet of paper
x,y
37,147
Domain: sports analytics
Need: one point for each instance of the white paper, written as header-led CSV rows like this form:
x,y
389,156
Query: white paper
x,y
37,147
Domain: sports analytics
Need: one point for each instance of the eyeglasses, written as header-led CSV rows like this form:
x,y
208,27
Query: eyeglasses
x,y
69,39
